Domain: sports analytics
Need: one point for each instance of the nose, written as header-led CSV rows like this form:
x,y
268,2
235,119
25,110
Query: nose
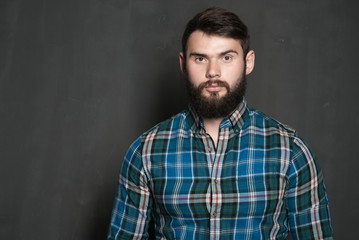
x,y
213,70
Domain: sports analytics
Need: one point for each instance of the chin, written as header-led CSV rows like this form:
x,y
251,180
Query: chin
x,y
213,96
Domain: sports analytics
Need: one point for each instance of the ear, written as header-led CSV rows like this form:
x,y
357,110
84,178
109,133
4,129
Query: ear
x,y
250,59
182,61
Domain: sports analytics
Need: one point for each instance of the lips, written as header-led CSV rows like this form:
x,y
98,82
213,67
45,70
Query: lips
x,y
214,85
214,88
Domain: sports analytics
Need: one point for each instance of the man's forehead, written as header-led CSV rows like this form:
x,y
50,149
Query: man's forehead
x,y
202,42
202,34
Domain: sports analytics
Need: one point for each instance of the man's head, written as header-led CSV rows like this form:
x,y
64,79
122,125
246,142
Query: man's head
x,y
217,21
216,60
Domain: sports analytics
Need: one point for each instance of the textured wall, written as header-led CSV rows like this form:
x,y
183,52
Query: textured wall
x,y
80,80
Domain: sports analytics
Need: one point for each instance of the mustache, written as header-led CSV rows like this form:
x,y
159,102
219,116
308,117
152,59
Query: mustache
x,y
217,82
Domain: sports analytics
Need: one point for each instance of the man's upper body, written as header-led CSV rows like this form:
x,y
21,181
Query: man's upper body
x,y
220,170
258,183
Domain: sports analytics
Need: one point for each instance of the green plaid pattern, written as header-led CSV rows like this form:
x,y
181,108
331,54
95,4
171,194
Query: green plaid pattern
x,y
260,182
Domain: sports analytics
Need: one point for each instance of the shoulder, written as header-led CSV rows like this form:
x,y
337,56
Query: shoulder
x,y
155,139
281,135
276,130
171,127
259,120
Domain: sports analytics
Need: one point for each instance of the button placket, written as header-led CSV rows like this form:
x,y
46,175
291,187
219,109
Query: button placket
x,y
209,145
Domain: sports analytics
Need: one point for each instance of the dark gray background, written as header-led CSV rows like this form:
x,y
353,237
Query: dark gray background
x,y
81,79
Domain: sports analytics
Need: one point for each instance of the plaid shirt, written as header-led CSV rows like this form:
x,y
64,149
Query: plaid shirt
x,y
260,182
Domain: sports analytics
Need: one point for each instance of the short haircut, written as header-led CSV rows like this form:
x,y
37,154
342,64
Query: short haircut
x,y
217,21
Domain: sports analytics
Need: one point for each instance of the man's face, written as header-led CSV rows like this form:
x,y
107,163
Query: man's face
x,y
216,70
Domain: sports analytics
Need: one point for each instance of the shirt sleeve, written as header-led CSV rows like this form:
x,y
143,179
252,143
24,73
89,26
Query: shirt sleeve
x,y
131,211
307,201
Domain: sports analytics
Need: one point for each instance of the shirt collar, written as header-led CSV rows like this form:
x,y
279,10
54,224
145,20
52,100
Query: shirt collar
x,y
235,120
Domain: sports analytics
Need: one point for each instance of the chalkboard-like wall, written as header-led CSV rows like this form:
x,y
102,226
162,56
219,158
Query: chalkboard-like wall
x,y
80,80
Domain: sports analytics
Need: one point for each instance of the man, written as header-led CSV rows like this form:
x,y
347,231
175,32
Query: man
x,y
220,170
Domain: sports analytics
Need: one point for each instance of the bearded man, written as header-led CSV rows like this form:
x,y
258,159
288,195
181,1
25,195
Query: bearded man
x,y
219,169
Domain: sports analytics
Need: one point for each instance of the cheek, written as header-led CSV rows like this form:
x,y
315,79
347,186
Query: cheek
x,y
196,74
232,74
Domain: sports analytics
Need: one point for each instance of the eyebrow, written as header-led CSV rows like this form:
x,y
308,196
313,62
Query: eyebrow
x,y
205,55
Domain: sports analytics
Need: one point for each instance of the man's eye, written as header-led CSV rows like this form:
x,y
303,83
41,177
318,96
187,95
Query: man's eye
x,y
227,58
199,59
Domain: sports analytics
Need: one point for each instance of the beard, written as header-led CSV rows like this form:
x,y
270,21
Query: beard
x,y
215,106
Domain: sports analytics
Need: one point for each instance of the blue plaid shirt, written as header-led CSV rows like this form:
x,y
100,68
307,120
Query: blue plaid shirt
x,y
260,182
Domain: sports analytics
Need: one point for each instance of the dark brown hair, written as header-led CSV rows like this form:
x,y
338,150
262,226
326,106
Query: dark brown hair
x,y
217,21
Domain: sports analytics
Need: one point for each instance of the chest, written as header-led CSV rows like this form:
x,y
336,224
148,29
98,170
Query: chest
x,y
243,168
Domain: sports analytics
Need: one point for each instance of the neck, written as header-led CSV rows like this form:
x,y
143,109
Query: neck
x,y
212,127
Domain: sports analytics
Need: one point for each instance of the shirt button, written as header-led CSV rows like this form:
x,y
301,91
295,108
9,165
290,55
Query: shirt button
x,y
215,214
210,149
216,181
